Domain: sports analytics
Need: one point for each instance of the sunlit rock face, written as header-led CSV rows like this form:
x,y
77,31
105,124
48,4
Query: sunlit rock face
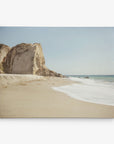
x,y
27,59
4,49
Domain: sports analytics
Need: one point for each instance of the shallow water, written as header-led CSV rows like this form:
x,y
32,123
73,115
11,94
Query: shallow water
x,y
99,90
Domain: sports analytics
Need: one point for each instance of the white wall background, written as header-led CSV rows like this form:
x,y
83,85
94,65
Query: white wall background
x,y
56,131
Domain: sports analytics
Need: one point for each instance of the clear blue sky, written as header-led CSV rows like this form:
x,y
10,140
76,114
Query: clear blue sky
x,y
68,50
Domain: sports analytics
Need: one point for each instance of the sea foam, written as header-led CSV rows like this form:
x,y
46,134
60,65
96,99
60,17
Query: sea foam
x,y
89,90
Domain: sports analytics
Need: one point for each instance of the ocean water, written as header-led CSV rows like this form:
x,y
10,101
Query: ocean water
x,y
90,88
103,78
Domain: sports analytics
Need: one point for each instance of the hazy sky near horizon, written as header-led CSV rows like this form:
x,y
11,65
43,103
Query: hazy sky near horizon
x,y
68,50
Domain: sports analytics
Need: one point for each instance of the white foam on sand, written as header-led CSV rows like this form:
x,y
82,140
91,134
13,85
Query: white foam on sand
x,y
90,91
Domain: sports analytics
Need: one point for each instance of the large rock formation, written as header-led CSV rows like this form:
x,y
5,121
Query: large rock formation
x,y
27,59
4,49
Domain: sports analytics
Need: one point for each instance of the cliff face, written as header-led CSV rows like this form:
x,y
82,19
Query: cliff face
x,y
4,49
27,59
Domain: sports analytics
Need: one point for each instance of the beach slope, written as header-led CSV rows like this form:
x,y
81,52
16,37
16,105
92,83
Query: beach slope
x,y
34,97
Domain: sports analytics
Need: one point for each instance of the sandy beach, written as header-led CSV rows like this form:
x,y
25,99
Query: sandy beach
x,y
36,98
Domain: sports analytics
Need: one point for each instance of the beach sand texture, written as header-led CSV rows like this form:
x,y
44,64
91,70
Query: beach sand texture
x,y
34,97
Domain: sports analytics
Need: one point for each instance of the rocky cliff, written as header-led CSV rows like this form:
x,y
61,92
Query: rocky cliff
x,y
4,49
27,59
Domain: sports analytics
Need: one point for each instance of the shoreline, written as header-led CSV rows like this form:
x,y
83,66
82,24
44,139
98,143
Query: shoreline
x,y
36,98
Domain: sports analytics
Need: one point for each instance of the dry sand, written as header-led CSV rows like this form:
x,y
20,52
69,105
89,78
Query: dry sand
x,y
36,98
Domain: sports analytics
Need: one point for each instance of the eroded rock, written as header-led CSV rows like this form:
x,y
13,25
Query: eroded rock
x,y
4,49
27,59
